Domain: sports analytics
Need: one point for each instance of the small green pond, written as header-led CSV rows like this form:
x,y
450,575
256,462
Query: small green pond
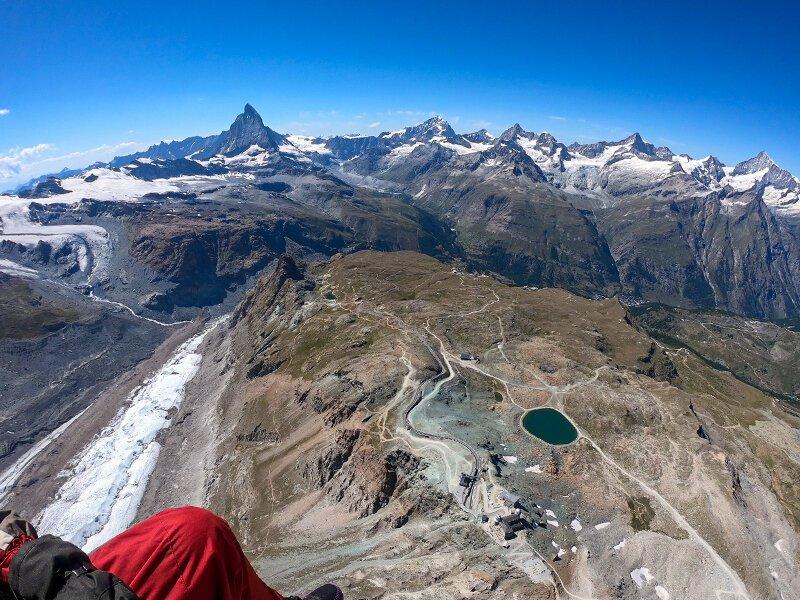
x,y
549,425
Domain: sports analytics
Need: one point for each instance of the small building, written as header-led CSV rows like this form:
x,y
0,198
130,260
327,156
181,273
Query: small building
x,y
512,523
511,500
508,532
469,356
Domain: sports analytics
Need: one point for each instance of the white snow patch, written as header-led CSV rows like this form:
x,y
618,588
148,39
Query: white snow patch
x,y
18,228
402,151
480,146
641,576
533,469
471,148
553,523
574,549
11,268
661,593
510,459
621,545
550,513
308,144
576,525
106,481
601,526
744,181
782,200
457,148
109,185
291,150
89,241
531,148
779,546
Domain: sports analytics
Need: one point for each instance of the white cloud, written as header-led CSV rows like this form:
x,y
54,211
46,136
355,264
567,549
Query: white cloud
x,y
13,162
557,118
4,111
20,164
670,141
374,125
480,124
104,152
410,113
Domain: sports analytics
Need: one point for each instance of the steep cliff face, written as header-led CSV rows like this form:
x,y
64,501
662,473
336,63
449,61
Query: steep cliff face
x,y
753,262
509,222
204,257
728,253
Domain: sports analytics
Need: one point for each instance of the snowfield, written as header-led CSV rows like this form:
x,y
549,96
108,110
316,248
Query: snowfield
x,y
105,483
308,144
11,268
91,242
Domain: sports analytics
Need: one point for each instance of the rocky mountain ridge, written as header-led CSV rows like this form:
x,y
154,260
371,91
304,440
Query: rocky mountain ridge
x,y
539,212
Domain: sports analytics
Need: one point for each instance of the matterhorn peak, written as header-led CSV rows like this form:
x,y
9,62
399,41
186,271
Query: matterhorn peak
x,y
250,115
247,130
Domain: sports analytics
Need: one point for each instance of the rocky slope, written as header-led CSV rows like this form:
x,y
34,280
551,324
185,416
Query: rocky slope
x,y
331,417
707,252
761,353
58,351
312,458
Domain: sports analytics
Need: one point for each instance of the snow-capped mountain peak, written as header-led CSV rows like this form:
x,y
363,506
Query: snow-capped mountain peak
x,y
434,129
761,171
760,161
481,137
606,170
246,131
515,131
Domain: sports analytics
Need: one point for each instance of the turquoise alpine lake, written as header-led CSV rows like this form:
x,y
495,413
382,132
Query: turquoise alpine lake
x,y
549,425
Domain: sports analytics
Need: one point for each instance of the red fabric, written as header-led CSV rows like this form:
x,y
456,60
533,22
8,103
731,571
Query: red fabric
x,y
7,555
182,554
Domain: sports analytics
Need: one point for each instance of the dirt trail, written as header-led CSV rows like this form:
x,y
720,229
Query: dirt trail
x,y
446,359
740,589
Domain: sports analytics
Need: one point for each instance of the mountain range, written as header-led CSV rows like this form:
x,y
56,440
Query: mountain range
x,y
342,345
609,218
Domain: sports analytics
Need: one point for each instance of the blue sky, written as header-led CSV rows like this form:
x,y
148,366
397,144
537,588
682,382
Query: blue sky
x,y
82,81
